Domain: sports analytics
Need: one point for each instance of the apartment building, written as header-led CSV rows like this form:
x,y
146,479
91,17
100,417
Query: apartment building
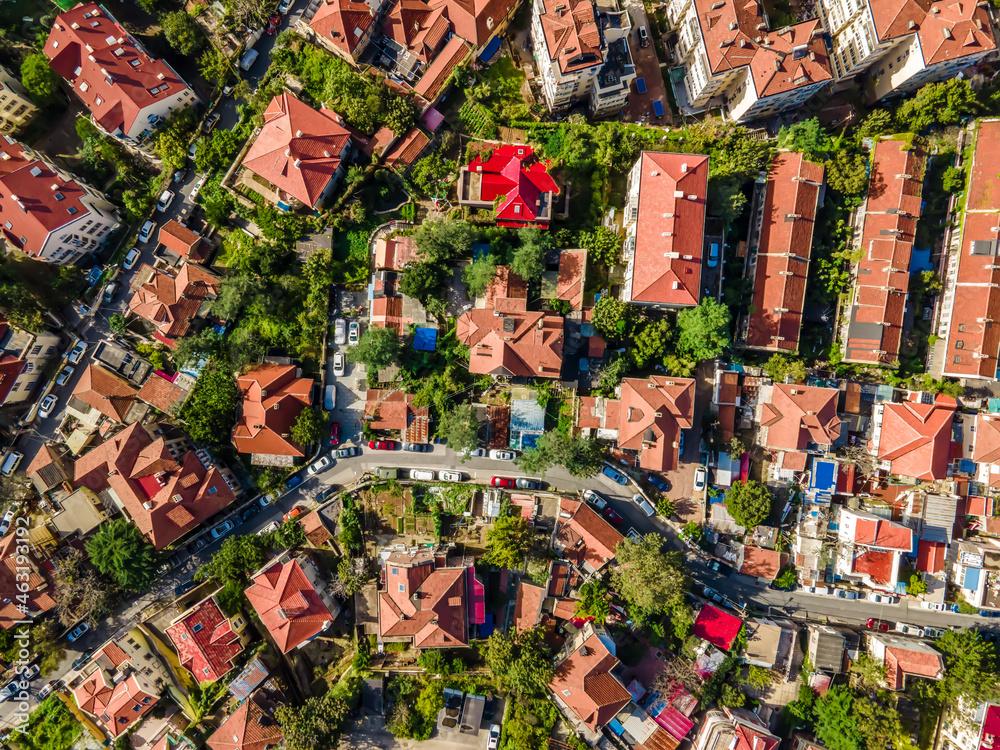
x,y
46,213
16,107
731,58
905,45
127,92
23,356
581,49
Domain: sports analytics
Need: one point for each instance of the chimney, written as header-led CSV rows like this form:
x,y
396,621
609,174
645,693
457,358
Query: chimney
x,y
298,133
296,163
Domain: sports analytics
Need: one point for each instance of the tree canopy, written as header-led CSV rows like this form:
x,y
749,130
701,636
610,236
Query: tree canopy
x,y
122,553
507,541
521,662
459,427
38,78
309,427
749,503
440,240
210,410
703,331
182,32
648,578
528,261
377,348
479,274
580,456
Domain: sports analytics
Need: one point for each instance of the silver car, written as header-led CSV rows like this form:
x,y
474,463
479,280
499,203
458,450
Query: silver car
x,y
354,332
340,332
338,364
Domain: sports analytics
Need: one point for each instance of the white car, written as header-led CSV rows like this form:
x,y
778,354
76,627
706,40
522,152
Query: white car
x,y
338,365
502,455
193,195
166,198
594,499
451,476
8,519
910,630
353,332
699,479
77,352
131,258
47,406
340,332
273,526
494,738
285,5
321,465
147,231
65,375
644,504
475,452
222,529
934,606
934,632
882,598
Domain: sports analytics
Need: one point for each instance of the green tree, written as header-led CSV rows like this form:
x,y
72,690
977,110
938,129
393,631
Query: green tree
x,y
309,427
439,240
433,660
197,346
803,707
603,246
807,137
665,507
953,180
847,173
917,585
215,67
431,175
787,578
529,259
38,78
703,331
779,368
423,281
521,661
137,202
377,348
595,600
507,541
580,456
317,723
479,274
692,530
210,410
869,671
726,199
121,552
749,503
879,122
614,318
759,678
971,671
835,725
878,723
650,343
171,147
117,323
459,427
731,696
944,103
648,578
182,32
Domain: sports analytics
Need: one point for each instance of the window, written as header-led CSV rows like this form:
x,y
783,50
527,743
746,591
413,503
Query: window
x,y
72,210
961,327
99,101
134,63
29,366
395,571
197,628
212,490
959,344
402,587
565,692
207,671
957,359
59,196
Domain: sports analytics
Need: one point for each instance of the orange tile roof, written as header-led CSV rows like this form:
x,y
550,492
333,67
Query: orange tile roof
x,y
583,681
761,563
475,20
408,149
106,392
288,605
117,705
415,27
528,609
343,23
572,34
316,531
572,275
916,438
800,415
249,727
432,82
205,641
651,415
947,30
273,398
161,394
395,252
423,603
12,571
178,238
170,299
901,662
586,536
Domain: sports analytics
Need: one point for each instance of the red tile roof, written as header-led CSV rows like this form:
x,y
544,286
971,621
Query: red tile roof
x,y
408,149
876,564
987,439
916,438
298,149
12,571
171,300
572,275
947,30
10,369
651,415
117,705
902,662
394,410
422,603
761,563
883,275
161,394
178,238
87,46
878,532
585,536
247,728
670,229
800,415
273,398
415,27
977,506
315,529
432,82
515,180
288,605
475,20
205,641
340,21
717,627
930,556
106,392
528,610
165,497
395,253
786,234
794,57
583,681
572,34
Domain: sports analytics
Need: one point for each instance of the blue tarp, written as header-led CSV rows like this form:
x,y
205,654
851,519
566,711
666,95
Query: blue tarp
x,y
616,726
486,628
824,476
490,50
425,339
640,85
480,249
971,582
966,466
658,108
94,275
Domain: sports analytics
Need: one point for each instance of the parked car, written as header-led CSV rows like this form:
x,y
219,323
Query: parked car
x,y
273,23
909,630
66,374
147,231
293,482
661,485
9,690
10,463
193,195
166,198
721,568
643,37
77,352
338,364
273,526
76,632
845,594
30,673
475,452
423,475
382,445
109,291
210,122
700,475
416,447
334,433
713,255
266,500
249,59
250,512
934,606
989,613
222,529
180,174
934,632
489,708
348,452
875,624
294,513
614,475
595,499
8,519
197,545
353,333
47,688
639,500
528,484
882,598
502,482
451,476
322,464
494,739
613,518
47,406
185,587
81,660
327,493
340,331
131,258
498,455
285,5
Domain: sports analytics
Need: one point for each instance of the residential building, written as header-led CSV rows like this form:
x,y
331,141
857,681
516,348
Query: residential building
x,y
913,438
758,562
288,603
872,333
781,234
16,107
975,571
206,640
717,626
513,182
389,308
250,727
986,450
796,417
870,549
165,492
163,393
827,646
505,339
395,253
412,35
49,468
934,517
127,92
99,395
586,685
46,213
407,150
583,537
176,238
345,27
905,658
770,643
970,302
15,562
571,282
581,49
646,419
528,606
77,514
664,225
273,397
905,45
394,411
172,299
428,601
728,728
298,157
731,58
23,356
965,728
479,22
437,76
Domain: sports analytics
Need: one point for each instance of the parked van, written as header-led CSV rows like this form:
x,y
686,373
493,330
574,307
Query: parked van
x,y
330,398
249,59
11,463
643,37
425,475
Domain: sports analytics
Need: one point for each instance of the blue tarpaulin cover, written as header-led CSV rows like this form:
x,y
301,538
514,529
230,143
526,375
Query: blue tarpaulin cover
x,y
486,628
640,85
425,339
658,108
491,49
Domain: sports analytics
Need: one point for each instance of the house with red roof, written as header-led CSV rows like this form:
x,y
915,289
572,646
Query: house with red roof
x,y
23,357
433,82
165,492
795,417
587,685
206,640
505,339
395,253
297,158
717,626
905,45
428,601
583,537
46,213
779,246
181,241
127,92
513,182
986,451
478,22
664,225
407,150
288,603
759,562
100,395
15,563
970,301
345,27
528,607
727,728
394,411
870,548
732,59
913,438
171,299
647,418
880,293
273,397
572,277
413,33
975,571
250,727
905,658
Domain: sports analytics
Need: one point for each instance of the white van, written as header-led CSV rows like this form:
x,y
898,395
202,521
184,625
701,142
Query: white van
x,y
11,463
425,475
249,59
330,398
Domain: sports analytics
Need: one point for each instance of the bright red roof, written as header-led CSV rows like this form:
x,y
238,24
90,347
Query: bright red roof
x,y
116,705
205,641
916,438
717,627
343,23
247,728
930,556
288,605
585,536
515,177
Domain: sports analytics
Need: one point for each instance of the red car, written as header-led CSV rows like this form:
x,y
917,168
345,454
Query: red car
x,y
382,445
294,513
502,482
335,433
880,625
612,517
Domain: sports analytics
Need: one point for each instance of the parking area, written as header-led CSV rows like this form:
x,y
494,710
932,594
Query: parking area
x,y
647,67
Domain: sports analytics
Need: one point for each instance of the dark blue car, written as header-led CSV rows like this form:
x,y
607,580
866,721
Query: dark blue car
x,y
658,483
292,482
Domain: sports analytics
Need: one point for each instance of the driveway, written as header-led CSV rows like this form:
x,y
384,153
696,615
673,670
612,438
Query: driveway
x,y
647,67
